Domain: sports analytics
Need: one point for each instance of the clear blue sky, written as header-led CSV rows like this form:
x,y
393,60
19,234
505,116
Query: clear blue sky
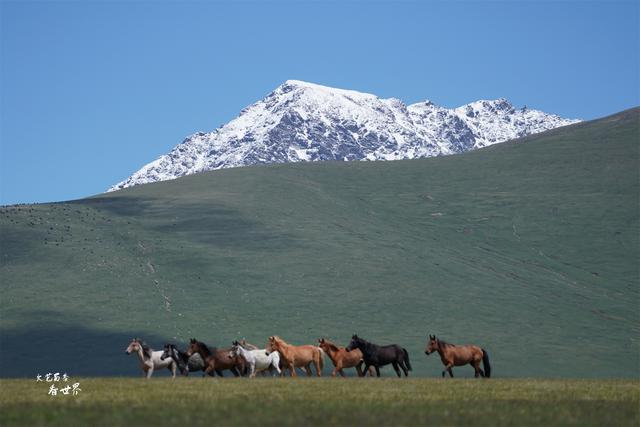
x,y
91,91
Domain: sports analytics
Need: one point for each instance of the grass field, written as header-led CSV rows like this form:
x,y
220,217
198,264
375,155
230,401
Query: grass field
x,y
529,249
286,402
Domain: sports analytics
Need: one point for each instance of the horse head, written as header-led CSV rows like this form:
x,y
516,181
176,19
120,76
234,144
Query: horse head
x,y
133,346
432,345
194,346
235,350
272,344
356,342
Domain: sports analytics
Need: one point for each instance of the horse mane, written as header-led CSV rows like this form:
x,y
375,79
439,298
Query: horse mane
x,y
205,348
331,345
365,342
279,340
247,346
146,350
181,354
445,344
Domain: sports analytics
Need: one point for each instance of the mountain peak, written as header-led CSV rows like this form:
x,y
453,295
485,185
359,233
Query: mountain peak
x,y
302,121
299,85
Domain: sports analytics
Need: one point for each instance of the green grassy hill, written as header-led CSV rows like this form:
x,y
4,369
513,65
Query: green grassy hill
x,y
529,249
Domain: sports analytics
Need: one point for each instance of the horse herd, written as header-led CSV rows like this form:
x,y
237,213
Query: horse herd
x,y
278,356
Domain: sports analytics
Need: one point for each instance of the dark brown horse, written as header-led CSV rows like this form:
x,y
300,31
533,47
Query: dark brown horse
x,y
381,355
216,360
459,355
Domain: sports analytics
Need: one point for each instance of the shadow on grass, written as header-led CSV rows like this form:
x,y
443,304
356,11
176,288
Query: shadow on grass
x,y
50,346
205,222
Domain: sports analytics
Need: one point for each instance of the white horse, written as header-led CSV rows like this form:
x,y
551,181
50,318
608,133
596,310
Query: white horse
x,y
149,359
258,360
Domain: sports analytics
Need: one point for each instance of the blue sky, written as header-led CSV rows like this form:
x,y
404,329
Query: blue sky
x,y
90,91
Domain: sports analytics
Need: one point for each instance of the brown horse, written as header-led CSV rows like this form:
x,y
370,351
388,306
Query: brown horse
x,y
293,356
342,358
216,360
459,355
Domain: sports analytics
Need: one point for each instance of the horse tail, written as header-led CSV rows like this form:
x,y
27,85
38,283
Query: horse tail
x,y
406,359
485,362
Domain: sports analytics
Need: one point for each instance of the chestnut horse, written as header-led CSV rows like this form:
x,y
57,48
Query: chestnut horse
x,y
293,356
342,358
459,355
216,360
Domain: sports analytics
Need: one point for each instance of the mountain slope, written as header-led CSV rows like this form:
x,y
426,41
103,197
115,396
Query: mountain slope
x,y
530,250
302,121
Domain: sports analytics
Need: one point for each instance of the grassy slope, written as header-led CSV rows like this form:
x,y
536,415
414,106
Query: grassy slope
x,y
268,402
528,249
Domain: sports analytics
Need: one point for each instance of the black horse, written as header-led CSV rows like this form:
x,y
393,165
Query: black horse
x,y
185,363
376,355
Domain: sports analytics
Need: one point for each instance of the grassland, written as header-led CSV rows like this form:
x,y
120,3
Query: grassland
x,y
529,249
286,402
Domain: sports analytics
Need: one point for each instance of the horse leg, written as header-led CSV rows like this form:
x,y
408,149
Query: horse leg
x,y
234,371
377,370
275,366
367,368
447,368
292,369
358,370
403,365
173,370
395,368
307,368
476,366
215,371
336,369
209,370
149,372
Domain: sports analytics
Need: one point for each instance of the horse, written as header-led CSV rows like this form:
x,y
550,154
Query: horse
x,y
258,360
149,360
216,360
459,355
248,346
185,363
341,358
297,356
377,356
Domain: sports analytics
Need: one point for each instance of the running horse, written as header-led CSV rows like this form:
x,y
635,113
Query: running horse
x,y
185,363
380,355
257,360
342,358
459,355
149,360
294,356
216,361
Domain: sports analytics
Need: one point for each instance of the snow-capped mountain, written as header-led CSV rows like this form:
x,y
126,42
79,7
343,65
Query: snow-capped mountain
x,y
302,121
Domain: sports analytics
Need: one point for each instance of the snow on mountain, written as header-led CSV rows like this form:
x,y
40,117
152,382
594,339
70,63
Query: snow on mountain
x,y
302,121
